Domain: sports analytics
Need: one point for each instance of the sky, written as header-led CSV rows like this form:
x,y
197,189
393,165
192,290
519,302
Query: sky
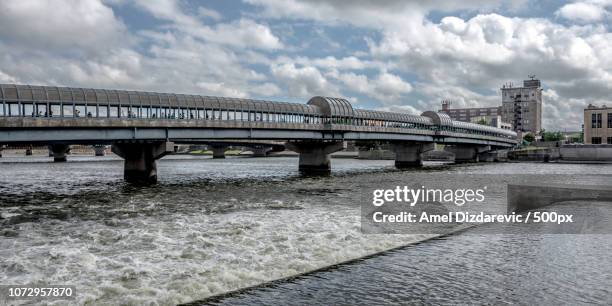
x,y
393,55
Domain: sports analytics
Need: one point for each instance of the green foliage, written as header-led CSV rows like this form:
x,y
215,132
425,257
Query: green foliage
x,y
529,137
552,136
482,121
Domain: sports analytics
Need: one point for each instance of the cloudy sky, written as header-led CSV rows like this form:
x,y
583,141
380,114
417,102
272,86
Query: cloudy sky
x,y
386,54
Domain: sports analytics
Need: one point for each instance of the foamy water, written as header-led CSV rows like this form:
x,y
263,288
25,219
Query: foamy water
x,y
209,227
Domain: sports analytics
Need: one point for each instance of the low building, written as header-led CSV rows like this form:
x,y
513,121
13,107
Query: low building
x,y
597,125
492,120
467,114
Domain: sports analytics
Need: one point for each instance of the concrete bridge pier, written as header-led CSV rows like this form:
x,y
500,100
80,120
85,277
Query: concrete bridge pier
x,y
99,150
493,156
140,165
315,155
59,152
260,151
410,154
218,151
467,153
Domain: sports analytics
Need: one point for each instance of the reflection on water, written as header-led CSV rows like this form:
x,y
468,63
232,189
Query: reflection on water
x,y
209,226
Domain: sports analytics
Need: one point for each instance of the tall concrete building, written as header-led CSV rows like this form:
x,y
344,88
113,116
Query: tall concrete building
x,y
598,125
522,106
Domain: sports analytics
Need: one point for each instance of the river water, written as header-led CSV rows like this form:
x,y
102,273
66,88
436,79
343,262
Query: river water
x,y
214,226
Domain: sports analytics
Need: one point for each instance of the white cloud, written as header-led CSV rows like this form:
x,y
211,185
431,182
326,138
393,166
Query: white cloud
x,y
331,62
63,25
243,33
195,49
303,82
5,78
369,13
584,11
209,13
386,87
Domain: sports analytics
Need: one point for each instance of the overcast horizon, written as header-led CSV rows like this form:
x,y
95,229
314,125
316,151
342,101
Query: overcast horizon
x,y
389,55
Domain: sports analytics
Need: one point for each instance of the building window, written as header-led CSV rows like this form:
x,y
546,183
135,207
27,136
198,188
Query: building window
x,y
596,140
599,121
595,121
609,120
609,140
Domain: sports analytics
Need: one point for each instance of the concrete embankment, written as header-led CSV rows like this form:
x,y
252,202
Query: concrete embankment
x,y
533,196
534,154
565,153
383,154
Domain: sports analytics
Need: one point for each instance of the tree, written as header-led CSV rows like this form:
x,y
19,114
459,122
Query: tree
x,y
482,121
552,136
529,137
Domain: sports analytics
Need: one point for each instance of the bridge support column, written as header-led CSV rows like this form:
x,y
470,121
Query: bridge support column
x,y
409,154
140,165
491,156
59,152
314,155
99,150
467,153
218,151
260,151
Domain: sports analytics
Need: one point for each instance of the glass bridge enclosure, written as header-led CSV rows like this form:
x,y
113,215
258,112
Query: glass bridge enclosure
x,y
87,103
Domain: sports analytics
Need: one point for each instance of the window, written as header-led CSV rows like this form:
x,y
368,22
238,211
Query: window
x,y
55,110
41,109
594,121
103,111
79,111
609,120
596,140
598,121
13,109
609,140
28,110
67,110
114,111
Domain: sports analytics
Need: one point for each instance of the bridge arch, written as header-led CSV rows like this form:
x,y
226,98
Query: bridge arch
x,y
333,107
440,119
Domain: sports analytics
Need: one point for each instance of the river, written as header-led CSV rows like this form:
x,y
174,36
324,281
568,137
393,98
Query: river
x,y
214,226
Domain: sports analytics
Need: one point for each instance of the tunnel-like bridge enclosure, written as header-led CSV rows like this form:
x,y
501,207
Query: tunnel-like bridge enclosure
x,y
60,116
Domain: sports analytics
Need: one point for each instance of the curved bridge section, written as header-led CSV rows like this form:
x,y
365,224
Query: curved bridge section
x,y
63,115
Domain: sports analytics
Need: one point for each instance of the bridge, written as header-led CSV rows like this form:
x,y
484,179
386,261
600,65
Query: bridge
x,y
143,126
